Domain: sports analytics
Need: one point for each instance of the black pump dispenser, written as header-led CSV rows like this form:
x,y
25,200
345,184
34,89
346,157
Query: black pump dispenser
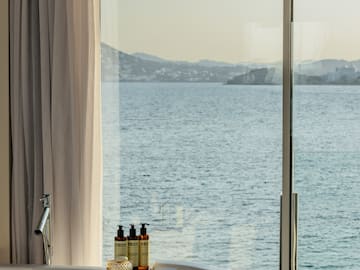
x,y
120,232
120,244
133,248
143,248
143,228
132,230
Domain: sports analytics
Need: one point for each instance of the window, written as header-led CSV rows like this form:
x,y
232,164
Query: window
x,y
193,146
326,133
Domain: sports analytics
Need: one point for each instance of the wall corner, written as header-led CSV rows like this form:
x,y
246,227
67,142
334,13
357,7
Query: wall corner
x,y
5,248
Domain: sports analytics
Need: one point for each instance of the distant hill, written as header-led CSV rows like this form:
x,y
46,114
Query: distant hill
x,y
120,66
202,62
142,67
257,76
211,63
321,67
149,57
341,76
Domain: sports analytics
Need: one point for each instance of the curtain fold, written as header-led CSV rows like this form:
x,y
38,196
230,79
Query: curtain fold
x,y
56,132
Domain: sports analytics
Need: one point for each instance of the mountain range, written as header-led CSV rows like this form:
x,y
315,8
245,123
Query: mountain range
x,y
142,67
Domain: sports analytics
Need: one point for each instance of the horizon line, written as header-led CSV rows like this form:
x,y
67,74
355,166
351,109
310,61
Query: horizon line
x,y
230,63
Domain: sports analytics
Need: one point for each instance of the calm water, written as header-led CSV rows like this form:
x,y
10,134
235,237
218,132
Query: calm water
x,y
202,164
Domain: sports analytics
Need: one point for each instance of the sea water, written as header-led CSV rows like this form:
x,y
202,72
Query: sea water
x,y
201,162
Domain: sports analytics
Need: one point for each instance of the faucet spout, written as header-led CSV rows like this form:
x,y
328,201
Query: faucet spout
x,y
43,228
43,221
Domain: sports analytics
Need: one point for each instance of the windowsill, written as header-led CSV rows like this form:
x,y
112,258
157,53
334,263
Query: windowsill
x,y
43,266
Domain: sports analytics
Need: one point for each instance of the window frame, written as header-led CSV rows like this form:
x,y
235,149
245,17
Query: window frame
x,y
288,211
288,205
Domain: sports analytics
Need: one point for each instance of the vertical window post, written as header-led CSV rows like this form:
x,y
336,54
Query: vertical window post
x,y
288,223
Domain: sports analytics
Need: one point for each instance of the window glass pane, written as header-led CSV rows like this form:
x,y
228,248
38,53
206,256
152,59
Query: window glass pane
x,y
193,146
326,133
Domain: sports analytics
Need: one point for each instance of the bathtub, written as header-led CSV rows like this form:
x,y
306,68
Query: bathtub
x,y
161,265
171,265
47,267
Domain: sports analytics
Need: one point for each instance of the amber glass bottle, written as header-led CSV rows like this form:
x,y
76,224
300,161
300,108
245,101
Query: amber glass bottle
x,y
120,244
133,247
143,248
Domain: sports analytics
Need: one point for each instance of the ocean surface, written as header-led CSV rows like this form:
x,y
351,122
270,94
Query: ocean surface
x,y
201,163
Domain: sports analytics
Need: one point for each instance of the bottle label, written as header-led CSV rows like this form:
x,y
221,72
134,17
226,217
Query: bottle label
x,y
144,253
133,252
121,249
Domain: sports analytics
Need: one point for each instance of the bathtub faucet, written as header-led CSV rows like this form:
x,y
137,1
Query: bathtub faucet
x,y
44,228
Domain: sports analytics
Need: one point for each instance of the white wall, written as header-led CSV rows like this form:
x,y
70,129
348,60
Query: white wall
x,y
4,136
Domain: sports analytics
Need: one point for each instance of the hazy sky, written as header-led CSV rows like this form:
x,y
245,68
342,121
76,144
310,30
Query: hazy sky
x,y
231,30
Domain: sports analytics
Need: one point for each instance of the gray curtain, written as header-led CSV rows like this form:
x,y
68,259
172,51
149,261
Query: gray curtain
x,y
55,128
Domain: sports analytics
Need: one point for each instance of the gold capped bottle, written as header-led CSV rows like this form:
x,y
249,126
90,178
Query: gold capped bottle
x,y
120,244
133,247
143,248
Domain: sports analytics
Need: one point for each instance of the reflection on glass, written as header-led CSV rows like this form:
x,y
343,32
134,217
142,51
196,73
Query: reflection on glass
x,y
194,145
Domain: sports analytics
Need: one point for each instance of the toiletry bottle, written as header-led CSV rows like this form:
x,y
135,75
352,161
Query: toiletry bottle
x,y
133,247
120,245
143,248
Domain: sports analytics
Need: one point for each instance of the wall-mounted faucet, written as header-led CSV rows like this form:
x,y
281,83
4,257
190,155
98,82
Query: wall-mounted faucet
x,y
44,228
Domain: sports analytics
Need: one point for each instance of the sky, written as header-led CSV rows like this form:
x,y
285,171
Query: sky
x,y
231,30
